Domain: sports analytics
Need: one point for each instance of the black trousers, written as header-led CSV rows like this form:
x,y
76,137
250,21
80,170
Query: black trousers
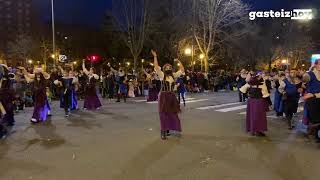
x,y
290,106
242,96
67,101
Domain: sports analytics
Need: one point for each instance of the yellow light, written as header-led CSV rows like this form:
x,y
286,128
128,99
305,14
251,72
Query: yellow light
x,y
284,61
30,61
201,56
194,62
188,51
128,63
303,65
151,64
53,56
142,60
74,62
119,64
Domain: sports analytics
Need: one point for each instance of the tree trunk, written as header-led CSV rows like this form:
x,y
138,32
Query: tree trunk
x,y
135,63
206,63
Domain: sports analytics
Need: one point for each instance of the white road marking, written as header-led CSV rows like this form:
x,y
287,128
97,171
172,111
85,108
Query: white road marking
x,y
188,100
232,108
218,106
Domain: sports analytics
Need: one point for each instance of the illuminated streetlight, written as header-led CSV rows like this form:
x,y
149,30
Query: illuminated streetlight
x,y
142,60
188,51
128,63
30,61
151,64
194,63
284,61
53,56
179,64
75,62
201,56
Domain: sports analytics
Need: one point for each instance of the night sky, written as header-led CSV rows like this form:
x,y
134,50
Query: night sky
x,y
91,12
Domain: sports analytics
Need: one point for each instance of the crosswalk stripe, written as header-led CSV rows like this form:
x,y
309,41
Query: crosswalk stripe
x,y
198,100
243,113
140,100
232,108
188,100
218,106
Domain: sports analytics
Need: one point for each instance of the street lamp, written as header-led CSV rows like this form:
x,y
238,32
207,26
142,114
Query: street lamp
x,y
285,62
188,51
30,61
53,33
75,62
128,63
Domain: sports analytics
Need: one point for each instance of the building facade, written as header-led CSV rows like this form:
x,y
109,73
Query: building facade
x,y
15,20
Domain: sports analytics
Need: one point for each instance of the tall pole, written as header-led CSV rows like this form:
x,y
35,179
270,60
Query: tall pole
x,y
53,35
193,31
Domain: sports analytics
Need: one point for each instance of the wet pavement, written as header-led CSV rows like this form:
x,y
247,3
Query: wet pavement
x,y
122,142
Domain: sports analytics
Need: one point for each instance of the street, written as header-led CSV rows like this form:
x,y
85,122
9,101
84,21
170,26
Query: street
x,y
121,141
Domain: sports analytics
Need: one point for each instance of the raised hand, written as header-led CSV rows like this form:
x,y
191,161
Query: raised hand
x,y
154,53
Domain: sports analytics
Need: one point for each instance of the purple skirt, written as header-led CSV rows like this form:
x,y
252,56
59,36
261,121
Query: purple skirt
x,y
40,111
169,108
153,94
256,115
92,102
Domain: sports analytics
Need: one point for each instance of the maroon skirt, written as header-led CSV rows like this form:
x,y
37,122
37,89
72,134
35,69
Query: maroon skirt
x,y
169,108
256,115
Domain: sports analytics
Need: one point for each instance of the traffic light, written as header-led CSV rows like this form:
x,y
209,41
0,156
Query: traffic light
x,y
93,58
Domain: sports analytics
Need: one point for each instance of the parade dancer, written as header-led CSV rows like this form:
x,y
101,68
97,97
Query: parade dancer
x,y
3,130
169,106
121,86
67,91
41,104
181,89
312,96
278,104
241,81
6,100
256,118
91,100
290,88
152,86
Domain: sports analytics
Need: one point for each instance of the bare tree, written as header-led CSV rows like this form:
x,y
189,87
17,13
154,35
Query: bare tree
x,y
216,23
131,17
22,47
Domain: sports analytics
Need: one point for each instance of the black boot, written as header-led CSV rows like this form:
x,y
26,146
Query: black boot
x,y
163,135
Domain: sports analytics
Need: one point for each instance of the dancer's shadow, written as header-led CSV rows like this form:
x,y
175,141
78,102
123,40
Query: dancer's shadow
x,y
48,138
82,123
137,167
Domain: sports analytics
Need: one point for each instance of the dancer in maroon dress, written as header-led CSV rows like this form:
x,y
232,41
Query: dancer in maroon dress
x,y
257,105
169,106
91,100
41,105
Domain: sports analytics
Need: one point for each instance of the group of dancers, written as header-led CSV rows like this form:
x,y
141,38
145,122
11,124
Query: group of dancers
x,y
164,83
291,87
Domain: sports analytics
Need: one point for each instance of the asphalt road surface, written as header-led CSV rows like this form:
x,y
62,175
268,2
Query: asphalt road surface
x,y
121,141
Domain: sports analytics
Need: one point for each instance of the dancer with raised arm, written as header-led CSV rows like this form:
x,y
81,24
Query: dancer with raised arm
x,y
121,85
67,92
91,99
169,106
39,85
